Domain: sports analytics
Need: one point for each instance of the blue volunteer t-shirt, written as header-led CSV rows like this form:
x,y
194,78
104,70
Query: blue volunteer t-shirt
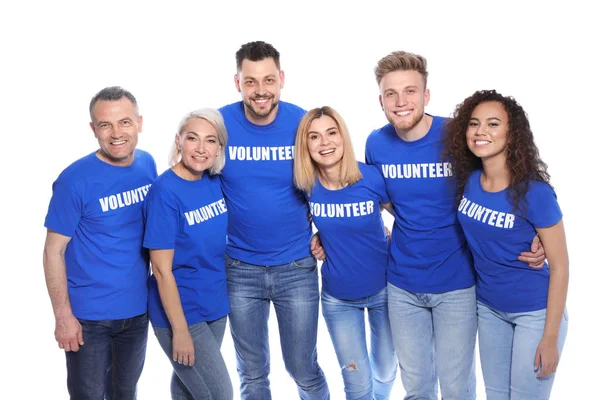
x,y
353,235
268,216
497,234
191,218
99,206
428,251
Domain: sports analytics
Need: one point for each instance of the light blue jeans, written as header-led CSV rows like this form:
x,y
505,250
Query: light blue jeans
x,y
435,333
507,346
294,290
366,376
208,377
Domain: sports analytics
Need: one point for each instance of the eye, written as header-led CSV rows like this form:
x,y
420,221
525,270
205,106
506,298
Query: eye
x,y
494,124
249,83
410,91
126,123
212,141
192,138
473,123
331,133
270,80
313,137
103,125
389,94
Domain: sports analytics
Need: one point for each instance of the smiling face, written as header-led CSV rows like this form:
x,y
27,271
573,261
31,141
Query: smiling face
x,y
260,83
325,142
487,132
403,98
199,146
116,125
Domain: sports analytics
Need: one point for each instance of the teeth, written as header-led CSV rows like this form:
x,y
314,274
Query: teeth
x,y
261,100
402,113
120,142
326,152
482,142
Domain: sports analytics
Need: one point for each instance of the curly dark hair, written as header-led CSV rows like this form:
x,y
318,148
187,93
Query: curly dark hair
x,y
523,158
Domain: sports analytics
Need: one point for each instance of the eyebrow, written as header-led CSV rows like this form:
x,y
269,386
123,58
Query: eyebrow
x,y
332,128
487,119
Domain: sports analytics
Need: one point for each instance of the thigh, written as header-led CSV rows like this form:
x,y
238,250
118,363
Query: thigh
x,y
495,351
248,318
346,325
412,329
383,355
455,333
87,368
529,328
129,354
296,300
217,328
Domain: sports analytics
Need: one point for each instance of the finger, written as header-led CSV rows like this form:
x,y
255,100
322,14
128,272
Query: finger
x,y
535,244
74,345
61,345
67,346
175,355
192,359
537,360
186,359
80,337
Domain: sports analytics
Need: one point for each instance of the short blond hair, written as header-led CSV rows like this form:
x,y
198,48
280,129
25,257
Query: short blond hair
x,y
213,117
305,169
401,61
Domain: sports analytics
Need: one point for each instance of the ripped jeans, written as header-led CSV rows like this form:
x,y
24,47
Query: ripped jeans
x,y
367,374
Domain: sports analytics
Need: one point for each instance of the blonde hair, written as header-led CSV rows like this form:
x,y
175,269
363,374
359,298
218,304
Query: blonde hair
x,y
401,61
305,169
213,117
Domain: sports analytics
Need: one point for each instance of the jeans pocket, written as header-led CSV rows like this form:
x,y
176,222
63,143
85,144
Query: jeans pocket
x,y
231,262
306,262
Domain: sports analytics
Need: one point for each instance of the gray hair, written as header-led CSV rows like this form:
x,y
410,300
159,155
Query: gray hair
x,y
213,117
112,93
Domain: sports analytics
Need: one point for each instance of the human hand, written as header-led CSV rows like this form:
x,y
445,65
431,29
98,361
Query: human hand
x,y
68,333
537,256
183,348
316,247
546,357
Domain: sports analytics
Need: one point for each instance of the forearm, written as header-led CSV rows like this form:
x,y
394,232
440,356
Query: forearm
x,y
557,298
169,296
55,272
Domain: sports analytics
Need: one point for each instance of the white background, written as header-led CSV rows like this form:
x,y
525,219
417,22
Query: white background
x,y
176,57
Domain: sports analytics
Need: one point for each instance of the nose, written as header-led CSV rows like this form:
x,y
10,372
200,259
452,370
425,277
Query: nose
x,y
400,100
260,89
201,147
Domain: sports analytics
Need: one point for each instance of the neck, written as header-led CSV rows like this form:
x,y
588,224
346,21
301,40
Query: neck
x,y
185,173
495,176
418,131
331,176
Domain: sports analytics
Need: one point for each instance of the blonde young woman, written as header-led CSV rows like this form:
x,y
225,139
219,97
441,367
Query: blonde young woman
x,y
186,225
345,198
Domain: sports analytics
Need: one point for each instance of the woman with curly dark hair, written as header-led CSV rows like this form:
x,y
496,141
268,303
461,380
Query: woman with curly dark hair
x,y
505,199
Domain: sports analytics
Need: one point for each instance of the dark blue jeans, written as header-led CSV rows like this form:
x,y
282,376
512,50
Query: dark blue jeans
x,y
110,362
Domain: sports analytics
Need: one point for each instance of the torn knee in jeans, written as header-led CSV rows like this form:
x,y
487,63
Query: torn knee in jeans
x,y
350,367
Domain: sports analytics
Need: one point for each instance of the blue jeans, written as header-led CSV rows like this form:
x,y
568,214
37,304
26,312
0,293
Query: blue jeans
x,y
366,377
435,333
208,377
294,290
111,360
507,346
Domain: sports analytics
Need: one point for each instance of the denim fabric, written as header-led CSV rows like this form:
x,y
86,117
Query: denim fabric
x,y
208,377
111,360
294,290
435,333
367,375
507,346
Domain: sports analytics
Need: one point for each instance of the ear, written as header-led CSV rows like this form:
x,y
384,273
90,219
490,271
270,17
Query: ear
x,y
140,122
236,80
427,96
381,102
93,129
177,142
281,79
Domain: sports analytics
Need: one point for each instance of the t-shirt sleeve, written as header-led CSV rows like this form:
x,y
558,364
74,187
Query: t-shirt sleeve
x,y
542,208
378,184
161,220
65,209
368,145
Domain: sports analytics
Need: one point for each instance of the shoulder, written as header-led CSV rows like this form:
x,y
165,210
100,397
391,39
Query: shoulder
x,y
79,170
380,134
